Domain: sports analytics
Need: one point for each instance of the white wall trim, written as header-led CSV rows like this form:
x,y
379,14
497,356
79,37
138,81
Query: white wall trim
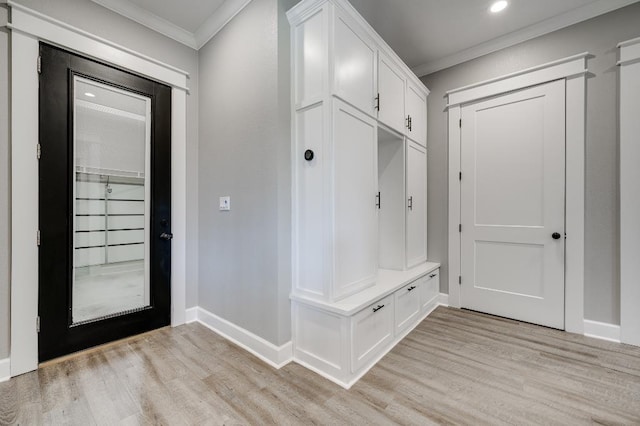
x,y
629,195
443,299
5,370
191,315
601,330
275,356
45,28
629,51
563,68
150,20
572,69
555,23
195,40
28,29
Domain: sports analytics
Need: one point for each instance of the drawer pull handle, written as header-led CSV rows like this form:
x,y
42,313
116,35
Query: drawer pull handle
x,y
413,287
378,308
432,275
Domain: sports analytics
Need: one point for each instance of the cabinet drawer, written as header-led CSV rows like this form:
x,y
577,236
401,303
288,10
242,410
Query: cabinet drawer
x,y
407,301
430,290
371,332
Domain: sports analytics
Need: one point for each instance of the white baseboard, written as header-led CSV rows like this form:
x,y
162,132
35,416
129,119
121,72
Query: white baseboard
x,y
191,315
5,369
444,299
602,330
276,356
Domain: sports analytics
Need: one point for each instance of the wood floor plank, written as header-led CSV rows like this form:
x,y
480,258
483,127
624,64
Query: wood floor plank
x,y
456,367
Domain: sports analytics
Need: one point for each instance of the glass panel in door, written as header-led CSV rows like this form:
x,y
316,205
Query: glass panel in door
x,y
111,211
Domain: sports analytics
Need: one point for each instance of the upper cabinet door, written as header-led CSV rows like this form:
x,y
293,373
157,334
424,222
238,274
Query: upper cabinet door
x,y
354,67
310,59
416,115
390,101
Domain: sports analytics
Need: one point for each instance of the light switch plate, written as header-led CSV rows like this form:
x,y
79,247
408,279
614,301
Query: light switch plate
x,y
225,203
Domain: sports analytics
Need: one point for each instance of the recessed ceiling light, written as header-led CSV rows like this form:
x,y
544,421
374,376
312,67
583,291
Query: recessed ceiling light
x,y
499,6
89,95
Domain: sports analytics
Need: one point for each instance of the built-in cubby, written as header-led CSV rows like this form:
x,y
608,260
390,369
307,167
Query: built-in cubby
x,y
392,215
359,159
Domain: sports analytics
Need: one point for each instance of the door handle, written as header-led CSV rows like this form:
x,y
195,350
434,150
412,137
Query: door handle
x,y
556,235
166,236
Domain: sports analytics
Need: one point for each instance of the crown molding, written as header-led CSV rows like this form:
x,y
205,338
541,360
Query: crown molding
x,y
214,23
149,20
572,17
221,17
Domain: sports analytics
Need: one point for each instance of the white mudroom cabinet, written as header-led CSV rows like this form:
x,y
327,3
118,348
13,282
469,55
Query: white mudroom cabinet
x,y
361,280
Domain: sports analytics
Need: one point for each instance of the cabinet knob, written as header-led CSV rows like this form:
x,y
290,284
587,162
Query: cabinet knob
x,y
432,275
556,235
413,287
376,309
308,155
411,203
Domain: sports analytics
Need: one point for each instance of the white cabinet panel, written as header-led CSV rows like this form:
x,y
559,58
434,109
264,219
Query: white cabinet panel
x,y
407,301
416,112
125,222
371,330
390,101
310,58
354,67
88,257
309,187
90,207
416,204
89,239
430,291
125,253
355,211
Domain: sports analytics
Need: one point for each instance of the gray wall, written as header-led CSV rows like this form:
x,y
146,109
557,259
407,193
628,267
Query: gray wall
x,y
244,153
598,36
94,18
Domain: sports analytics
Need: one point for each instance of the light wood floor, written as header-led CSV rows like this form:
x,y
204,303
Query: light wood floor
x,y
456,367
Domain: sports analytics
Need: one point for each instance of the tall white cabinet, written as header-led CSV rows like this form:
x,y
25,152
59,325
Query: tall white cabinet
x,y
361,280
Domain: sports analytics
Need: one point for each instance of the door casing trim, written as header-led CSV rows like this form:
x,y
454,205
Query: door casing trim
x,y
573,69
28,29
629,81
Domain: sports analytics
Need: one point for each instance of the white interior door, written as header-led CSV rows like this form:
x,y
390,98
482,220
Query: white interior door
x,y
512,205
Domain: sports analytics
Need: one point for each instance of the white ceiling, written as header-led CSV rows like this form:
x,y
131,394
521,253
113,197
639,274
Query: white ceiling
x,y
428,35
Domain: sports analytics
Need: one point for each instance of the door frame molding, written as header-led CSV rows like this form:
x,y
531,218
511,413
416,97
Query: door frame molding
x,y
29,28
573,69
629,64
